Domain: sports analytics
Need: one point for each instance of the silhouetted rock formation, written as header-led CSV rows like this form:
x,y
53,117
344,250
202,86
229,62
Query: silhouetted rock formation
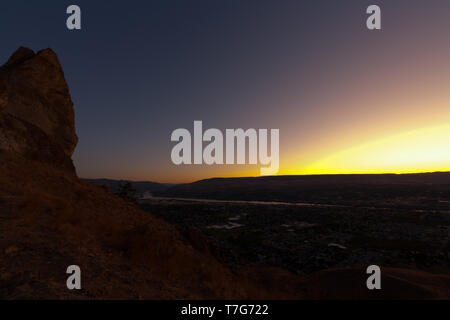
x,y
36,111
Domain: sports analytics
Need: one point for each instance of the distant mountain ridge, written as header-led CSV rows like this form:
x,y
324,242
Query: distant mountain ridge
x,y
342,189
375,178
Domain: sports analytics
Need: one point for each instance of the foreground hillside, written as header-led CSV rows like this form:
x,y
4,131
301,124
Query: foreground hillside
x,y
50,219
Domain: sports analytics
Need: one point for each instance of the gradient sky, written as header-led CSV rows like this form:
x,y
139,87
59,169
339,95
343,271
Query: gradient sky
x,y
345,99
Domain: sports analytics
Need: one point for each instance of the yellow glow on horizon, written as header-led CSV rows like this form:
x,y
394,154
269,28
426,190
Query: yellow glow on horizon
x,y
421,150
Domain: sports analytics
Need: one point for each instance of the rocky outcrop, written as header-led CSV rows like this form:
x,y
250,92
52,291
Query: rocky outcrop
x,y
36,110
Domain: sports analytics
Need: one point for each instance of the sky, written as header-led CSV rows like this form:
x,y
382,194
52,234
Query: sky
x,y
345,99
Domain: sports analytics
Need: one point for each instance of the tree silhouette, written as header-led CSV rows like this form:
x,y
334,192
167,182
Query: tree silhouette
x,y
127,191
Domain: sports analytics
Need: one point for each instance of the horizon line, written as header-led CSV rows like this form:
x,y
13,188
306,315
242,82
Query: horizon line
x,y
272,176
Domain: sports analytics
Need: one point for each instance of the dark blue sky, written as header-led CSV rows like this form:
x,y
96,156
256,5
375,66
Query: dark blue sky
x,y
140,69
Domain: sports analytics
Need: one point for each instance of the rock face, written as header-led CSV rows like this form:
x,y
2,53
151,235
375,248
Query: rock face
x,y
36,110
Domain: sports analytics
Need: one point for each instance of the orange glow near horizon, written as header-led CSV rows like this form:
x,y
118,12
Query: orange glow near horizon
x,y
412,151
415,151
